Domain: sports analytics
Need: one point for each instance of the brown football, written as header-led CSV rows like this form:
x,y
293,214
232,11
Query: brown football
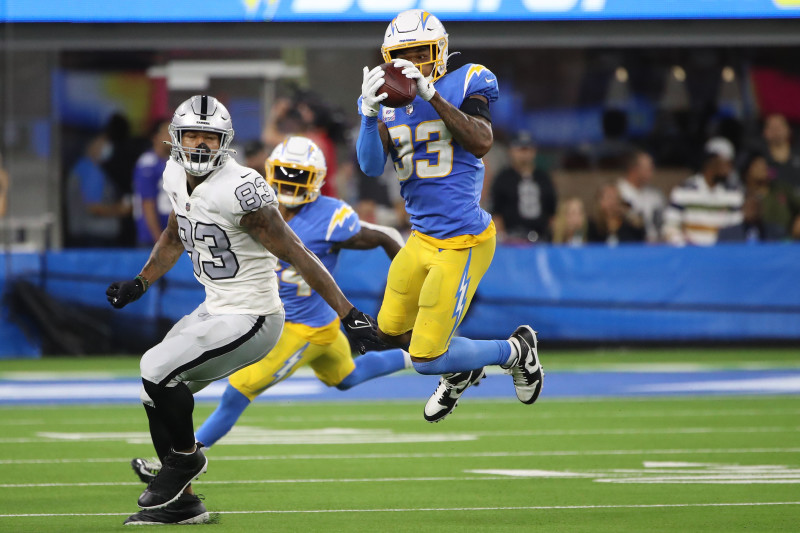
x,y
401,90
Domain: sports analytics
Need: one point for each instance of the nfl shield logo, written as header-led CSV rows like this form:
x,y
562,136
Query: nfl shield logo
x,y
409,109
188,206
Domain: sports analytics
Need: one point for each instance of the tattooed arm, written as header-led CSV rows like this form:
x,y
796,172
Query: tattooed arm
x,y
166,252
267,226
472,132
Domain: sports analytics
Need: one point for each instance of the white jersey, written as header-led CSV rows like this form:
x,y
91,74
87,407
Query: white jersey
x,y
236,270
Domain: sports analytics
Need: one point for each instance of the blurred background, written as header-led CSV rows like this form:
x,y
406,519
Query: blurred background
x,y
645,177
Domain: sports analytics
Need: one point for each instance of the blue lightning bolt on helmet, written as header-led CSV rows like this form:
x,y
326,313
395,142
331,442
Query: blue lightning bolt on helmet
x,y
296,170
201,113
414,28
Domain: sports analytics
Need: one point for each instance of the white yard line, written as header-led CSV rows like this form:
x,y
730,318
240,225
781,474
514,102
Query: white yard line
x,y
520,433
262,481
446,509
734,413
373,456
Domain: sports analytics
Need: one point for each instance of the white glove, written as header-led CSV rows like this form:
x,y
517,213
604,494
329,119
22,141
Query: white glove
x,y
425,88
370,101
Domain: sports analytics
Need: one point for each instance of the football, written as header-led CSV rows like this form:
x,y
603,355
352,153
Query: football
x,y
401,90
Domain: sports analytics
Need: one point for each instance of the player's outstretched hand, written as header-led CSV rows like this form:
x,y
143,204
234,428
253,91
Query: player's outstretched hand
x,y
121,293
370,100
425,88
363,331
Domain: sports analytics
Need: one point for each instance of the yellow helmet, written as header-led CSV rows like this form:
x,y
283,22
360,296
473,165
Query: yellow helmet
x,y
414,28
296,170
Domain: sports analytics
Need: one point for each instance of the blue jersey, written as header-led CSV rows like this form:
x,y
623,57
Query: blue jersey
x,y
319,225
147,185
440,181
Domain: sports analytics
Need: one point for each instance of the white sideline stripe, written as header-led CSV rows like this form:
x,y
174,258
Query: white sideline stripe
x,y
259,481
327,457
523,433
445,509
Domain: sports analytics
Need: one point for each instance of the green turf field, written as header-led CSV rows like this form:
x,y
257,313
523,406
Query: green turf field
x,y
716,464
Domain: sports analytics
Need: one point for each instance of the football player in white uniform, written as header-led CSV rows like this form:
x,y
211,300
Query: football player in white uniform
x,y
226,218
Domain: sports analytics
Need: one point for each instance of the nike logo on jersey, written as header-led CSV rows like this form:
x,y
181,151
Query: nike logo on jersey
x,y
246,175
489,80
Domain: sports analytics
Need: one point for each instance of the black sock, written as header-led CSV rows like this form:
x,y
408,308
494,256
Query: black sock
x,y
158,433
174,406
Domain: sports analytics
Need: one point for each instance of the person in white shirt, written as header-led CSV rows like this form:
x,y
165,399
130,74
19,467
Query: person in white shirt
x,y
703,204
645,202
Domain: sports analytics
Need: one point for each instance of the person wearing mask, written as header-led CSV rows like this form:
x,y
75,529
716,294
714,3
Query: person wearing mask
x,y
94,213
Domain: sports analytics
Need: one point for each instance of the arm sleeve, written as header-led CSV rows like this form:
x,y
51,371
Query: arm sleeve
x,y
369,148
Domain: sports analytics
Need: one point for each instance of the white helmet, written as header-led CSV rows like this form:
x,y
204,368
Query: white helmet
x,y
296,170
413,28
201,113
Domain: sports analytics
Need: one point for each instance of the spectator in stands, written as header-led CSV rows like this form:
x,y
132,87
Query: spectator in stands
x,y
255,156
610,224
703,204
782,158
645,203
753,227
569,224
151,205
93,212
523,196
778,202
301,115
118,167
5,183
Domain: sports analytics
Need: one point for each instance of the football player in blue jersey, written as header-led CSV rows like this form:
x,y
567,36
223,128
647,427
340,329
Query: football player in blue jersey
x,y
311,334
436,144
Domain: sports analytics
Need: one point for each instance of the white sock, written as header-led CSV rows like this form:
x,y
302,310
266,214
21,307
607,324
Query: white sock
x,y
514,353
407,359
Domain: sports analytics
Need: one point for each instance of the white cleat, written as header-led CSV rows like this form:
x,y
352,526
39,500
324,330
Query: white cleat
x,y
445,397
527,371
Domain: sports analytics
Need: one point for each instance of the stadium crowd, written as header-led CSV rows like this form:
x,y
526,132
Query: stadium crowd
x,y
113,196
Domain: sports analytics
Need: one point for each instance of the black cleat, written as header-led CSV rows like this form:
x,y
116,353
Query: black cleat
x,y
177,472
146,469
187,509
445,397
527,372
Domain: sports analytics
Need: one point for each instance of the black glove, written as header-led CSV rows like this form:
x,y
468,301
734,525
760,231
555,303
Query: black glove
x,y
121,293
363,331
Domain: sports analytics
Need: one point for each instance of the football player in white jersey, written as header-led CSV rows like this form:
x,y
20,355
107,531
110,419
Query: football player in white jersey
x,y
226,218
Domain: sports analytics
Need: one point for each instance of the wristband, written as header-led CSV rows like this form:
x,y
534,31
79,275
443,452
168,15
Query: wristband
x,y
144,282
